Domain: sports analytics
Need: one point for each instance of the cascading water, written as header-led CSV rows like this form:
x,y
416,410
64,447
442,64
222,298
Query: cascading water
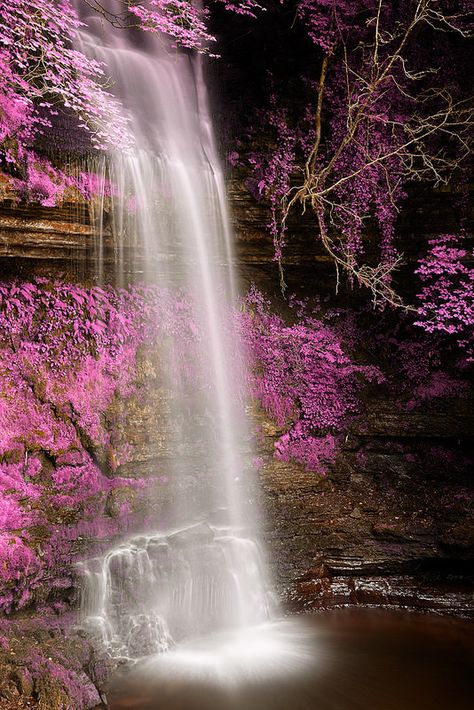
x,y
169,221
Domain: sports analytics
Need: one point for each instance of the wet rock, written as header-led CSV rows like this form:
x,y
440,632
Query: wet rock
x,y
195,535
351,442
383,419
23,680
383,510
394,591
460,536
389,531
42,666
118,500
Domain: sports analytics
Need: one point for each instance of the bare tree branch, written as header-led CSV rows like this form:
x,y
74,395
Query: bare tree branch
x,y
418,145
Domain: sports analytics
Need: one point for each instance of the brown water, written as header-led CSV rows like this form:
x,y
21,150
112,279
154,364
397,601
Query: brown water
x,y
347,660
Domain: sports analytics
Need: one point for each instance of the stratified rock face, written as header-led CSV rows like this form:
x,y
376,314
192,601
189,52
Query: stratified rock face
x,y
87,435
390,525
57,239
52,242
43,233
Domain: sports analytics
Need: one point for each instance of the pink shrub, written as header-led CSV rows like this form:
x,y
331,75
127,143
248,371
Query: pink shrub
x,y
20,567
65,353
447,297
303,379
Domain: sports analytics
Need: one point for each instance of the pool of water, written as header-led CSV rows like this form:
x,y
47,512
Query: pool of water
x,y
345,660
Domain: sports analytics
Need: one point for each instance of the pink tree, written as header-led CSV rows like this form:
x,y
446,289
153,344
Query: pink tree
x,y
447,296
384,113
42,74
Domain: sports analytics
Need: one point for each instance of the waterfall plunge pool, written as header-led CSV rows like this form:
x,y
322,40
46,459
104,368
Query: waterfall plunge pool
x,y
344,660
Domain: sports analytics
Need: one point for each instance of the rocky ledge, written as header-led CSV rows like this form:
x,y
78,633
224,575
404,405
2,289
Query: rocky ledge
x,y
390,525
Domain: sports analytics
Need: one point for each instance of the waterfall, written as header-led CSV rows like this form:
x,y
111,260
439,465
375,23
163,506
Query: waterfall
x,y
170,224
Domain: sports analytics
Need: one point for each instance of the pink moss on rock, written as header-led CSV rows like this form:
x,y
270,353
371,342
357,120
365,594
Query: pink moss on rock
x,y
66,353
303,379
43,666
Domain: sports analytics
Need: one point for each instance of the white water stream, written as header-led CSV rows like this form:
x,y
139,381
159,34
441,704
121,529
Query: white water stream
x,y
169,220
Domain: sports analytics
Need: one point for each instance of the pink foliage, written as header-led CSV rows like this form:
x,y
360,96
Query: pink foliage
x,y
40,75
439,384
303,379
326,20
185,21
43,70
20,569
354,176
65,353
419,368
314,453
272,170
70,679
182,20
242,7
43,75
447,296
